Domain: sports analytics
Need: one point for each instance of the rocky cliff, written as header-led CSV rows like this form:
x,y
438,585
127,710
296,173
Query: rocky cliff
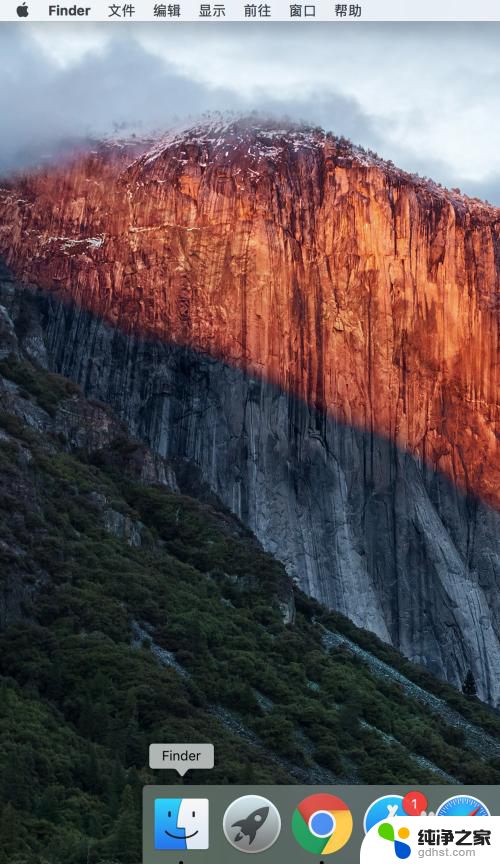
x,y
317,331
131,613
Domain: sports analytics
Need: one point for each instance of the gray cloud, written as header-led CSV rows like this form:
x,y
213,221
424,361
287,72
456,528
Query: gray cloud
x,y
136,80
128,88
43,105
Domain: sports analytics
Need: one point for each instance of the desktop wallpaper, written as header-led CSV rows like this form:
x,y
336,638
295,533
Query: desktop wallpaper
x,y
249,471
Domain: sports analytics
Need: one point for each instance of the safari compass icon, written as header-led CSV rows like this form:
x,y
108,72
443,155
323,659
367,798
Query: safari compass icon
x,y
252,824
463,805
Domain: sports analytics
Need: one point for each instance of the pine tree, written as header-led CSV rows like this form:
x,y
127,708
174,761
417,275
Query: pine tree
x,y
127,835
248,778
116,785
10,831
469,686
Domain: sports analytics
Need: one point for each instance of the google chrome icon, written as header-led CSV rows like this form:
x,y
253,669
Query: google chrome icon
x,y
322,824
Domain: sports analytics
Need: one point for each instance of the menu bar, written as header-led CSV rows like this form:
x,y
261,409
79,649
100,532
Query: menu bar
x,y
25,11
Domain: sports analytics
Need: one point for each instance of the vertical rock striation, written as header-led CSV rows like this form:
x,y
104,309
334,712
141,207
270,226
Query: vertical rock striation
x,y
318,332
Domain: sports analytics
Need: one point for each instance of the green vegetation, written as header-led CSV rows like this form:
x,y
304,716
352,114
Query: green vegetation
x,y
471,709
48,389
86,682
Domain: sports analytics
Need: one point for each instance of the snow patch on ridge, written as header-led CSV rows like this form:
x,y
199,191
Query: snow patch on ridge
x,y
230,138
72,242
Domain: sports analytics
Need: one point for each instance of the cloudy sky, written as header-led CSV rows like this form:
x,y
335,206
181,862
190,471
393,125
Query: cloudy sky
x,y
425,96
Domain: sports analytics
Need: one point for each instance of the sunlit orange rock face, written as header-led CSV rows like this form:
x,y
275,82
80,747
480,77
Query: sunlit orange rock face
x,y
362,290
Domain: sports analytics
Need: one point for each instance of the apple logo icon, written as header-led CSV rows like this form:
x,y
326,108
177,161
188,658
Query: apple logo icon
x,y
22,11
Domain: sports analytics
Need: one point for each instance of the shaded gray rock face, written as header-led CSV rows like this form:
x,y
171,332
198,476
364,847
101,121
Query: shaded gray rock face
x,y
8,339
360,525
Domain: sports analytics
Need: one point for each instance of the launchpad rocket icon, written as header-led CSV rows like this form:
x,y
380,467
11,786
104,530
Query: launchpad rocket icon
x,y
252,824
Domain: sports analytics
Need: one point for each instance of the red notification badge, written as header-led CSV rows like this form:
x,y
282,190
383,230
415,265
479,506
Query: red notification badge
x,y
414,803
